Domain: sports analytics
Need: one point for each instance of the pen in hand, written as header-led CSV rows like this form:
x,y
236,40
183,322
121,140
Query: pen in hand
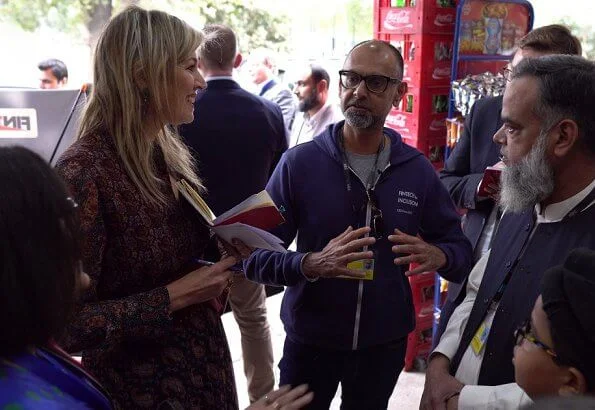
x,y
237,268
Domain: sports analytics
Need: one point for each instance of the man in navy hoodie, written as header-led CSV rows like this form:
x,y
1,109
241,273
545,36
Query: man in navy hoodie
x,y
347,309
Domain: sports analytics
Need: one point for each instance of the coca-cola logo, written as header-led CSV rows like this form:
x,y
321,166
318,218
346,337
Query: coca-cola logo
x,y
441,73
444,20
406,76
437,125
398,120
396,20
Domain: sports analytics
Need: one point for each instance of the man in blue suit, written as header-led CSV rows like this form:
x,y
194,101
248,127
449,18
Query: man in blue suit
x,y
237,138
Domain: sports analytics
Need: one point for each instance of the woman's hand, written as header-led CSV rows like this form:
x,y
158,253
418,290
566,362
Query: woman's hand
x,y
284,398
201,284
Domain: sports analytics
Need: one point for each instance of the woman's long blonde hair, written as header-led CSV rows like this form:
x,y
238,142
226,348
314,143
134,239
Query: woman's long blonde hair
x,y
134,70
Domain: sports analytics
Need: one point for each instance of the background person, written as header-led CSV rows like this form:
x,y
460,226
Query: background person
x,y
315,110
53,74
262,71
238,139
41,277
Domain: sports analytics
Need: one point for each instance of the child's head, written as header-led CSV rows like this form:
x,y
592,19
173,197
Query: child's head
x,y
555,349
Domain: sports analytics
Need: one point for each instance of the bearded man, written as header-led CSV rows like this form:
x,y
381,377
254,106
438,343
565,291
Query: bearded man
x,y
316,111
548,145
363,206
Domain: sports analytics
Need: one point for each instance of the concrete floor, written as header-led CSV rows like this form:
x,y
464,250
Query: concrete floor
x,y
406,395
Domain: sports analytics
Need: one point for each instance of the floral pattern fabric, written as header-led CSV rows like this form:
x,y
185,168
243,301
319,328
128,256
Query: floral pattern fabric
x,y
143,356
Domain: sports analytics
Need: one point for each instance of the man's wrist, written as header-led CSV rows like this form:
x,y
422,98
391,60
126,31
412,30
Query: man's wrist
x,y
439,361
309,277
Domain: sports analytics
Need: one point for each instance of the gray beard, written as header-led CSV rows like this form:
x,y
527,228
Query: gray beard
x,y
529,182
357,120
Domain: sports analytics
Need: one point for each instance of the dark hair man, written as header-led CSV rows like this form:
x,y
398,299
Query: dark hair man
x,y
347,311
238,138
548,189
54,74
476,151
316,112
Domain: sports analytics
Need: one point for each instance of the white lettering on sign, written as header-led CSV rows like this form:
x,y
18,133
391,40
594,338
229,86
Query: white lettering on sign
x,y
437,125
397,20
444,20
441,73
18,123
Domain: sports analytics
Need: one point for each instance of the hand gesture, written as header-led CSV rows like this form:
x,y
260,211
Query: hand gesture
x,y
284,398
201,284
333,259
429,257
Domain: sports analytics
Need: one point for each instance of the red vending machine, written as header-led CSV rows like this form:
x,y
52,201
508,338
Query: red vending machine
x,y
423,31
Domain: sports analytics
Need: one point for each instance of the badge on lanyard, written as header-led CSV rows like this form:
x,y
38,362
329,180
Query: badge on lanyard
x,y
479,340
364,265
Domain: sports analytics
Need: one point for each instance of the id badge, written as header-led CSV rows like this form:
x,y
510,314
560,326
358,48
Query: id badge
x,y
479,340
364,265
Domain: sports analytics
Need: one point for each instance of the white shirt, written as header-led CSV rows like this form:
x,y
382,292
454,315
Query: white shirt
x,y
220,77
306,128
507,396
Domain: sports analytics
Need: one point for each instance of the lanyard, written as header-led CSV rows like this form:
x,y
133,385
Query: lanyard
x,y
578,208
346,168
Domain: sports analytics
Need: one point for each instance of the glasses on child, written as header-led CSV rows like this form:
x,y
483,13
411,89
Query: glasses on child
x,y
524,333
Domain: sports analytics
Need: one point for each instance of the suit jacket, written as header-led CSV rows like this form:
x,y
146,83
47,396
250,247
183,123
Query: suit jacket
x,y
280,95
461,175
465,166
237,138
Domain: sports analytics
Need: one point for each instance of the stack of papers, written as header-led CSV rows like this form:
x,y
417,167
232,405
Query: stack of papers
x,y
247,221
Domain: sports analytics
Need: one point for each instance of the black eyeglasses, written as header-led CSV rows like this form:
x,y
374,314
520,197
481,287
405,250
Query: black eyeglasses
x,y
376,221
524,332
374,83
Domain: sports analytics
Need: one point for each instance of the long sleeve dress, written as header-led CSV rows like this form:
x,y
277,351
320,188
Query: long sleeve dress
x,y
143,356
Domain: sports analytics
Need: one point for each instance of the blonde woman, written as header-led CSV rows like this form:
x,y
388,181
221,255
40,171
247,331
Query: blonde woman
x,y
147,328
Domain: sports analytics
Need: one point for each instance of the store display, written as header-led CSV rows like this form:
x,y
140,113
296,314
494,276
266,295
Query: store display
x,y
492,27
454,130
473,87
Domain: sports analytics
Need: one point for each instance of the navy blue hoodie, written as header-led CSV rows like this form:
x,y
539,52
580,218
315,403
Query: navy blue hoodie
x,y
309,186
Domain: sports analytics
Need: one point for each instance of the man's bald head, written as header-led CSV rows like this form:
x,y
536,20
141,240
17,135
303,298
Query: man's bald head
x,y
381,46
219,48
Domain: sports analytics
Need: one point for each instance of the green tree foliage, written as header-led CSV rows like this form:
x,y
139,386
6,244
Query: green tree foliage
x,y
359,19
255,26
585,33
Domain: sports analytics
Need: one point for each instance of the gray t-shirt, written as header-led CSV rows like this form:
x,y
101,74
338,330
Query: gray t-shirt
x,y
363,164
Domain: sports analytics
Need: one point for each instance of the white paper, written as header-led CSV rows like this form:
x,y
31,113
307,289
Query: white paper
x,y
251,236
